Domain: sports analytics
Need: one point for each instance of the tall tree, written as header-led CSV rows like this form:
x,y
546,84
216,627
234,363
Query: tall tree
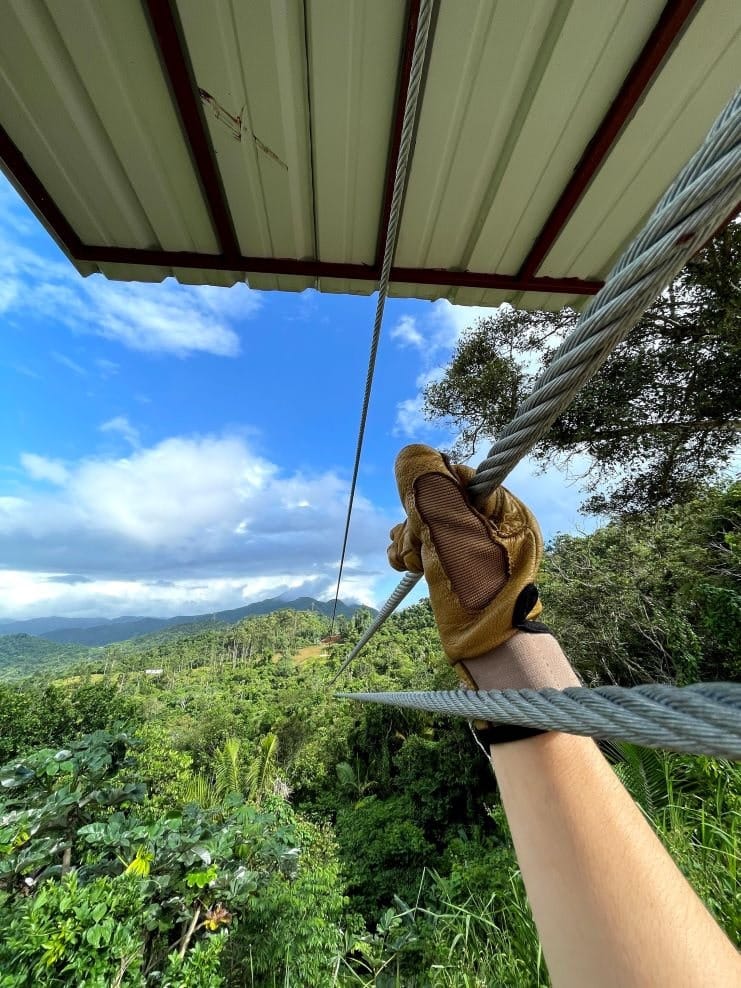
x,y
661,417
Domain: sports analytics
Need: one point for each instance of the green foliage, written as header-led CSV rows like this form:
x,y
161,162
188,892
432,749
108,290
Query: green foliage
x,y
40,713
168,772
70,933
653,599
645,774
390,862
659,419
292,934
79,875
49,796
383,849
22,655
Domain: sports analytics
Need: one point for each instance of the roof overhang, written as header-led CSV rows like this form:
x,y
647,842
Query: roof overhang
x,y
225,141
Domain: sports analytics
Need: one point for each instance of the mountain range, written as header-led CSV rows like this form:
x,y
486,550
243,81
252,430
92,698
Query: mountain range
x,y
105,631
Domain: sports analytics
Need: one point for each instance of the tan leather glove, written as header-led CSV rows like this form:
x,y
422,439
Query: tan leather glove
x,y
480,564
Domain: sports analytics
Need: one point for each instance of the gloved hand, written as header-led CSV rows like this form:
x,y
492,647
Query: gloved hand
x,y
480,564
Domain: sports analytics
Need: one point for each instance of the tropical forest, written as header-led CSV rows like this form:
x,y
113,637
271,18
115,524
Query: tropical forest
x,y
202,805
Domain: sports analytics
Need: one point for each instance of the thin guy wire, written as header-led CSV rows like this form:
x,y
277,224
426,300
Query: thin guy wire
x,y
704,718
407,133
701,196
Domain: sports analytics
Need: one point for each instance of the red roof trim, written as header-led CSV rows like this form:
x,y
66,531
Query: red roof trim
x,y
503,282
328,269
36,194
167,33
674,19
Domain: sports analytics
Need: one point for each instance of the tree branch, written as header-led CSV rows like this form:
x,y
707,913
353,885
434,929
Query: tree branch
x,y
190,931
646,428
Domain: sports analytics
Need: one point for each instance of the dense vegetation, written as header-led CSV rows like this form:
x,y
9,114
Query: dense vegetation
x,y
661,417
91,632
22,654
226,821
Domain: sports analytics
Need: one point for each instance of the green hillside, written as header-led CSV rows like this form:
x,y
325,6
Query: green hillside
x,y
122,629
258,824
23,655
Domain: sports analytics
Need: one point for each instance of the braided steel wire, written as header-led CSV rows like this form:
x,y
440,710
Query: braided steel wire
x,y
704,718
699,199
410,580
405,146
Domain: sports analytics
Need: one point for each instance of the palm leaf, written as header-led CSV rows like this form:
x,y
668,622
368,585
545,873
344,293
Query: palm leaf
x,y
261,772
201,790
228,769
643,772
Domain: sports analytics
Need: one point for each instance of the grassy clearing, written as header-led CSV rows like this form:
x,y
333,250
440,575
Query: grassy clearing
x,y
310,652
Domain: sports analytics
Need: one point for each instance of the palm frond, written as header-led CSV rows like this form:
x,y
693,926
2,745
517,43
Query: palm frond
x,y
201,790
643,772
261,772
228,768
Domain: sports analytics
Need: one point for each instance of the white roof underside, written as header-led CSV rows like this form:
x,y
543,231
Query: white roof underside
x,y
514,90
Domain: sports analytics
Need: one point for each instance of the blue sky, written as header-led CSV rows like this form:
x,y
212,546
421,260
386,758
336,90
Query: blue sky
x,y
169,449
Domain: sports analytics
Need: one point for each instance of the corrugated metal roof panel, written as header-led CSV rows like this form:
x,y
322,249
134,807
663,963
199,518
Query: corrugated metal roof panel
x,y
354,54
295,106
667,129
95,120
583,63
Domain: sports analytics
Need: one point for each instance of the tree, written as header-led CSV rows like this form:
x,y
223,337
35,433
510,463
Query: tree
x,y
662,415
653,598
94,893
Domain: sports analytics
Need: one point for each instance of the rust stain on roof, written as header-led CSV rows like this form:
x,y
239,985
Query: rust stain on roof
x,y
232,123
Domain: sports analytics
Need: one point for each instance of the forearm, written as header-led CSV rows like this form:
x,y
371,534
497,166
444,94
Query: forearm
x,y
611,907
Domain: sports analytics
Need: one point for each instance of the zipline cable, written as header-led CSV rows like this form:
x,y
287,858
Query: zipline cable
x,y
702,719
695,205
699,199
405,145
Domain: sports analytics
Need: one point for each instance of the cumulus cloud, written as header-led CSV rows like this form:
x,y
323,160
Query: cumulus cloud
x,y
170,318
434,336
410,420
407,333
151,528
41,468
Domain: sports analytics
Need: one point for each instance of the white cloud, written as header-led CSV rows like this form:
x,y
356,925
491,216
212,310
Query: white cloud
x,y
69,363
145,531
435,336
153,318
41,468
121,425
410,421
437,333
9,292
407,333
107,368
171,318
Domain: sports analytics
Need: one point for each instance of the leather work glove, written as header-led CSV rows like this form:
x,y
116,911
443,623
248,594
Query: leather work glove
x,y
480,564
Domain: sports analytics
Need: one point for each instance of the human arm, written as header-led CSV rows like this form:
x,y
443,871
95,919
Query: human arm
x,y
611,907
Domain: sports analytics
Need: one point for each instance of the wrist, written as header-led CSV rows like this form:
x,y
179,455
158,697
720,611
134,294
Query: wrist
x,y
524,661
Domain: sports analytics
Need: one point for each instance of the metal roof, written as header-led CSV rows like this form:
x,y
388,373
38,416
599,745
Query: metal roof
x,y
223,140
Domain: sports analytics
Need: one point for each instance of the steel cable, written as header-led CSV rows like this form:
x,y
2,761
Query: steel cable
x,y
704,718
697,202
405,144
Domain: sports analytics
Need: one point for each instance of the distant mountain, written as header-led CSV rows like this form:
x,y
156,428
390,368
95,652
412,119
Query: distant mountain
x,y
119,629
21,655
39,626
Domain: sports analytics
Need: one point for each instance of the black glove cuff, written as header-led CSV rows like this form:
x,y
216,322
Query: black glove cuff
x,y
526,601
504,733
